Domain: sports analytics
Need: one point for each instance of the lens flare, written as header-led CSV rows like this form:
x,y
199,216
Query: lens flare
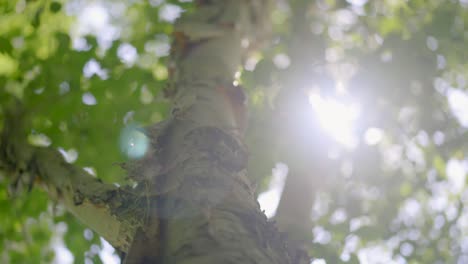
x,y
133,143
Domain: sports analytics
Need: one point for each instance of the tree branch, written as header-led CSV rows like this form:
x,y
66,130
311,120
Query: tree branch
x,y
98,205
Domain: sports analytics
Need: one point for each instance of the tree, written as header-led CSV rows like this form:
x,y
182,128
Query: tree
x,y
176,189
192,201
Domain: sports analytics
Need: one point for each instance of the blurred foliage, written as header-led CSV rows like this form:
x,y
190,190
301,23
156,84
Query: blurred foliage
x,y
87,69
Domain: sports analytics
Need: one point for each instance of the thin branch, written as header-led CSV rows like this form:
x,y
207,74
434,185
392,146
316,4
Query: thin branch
x,y
98,205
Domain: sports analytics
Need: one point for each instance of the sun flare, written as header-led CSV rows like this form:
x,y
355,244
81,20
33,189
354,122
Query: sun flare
x,y
336,117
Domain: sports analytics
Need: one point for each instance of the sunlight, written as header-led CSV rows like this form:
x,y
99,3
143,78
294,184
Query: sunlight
x,y
94,18
108,254
269,199
336,118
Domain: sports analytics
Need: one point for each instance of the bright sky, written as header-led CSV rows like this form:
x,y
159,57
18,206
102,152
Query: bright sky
x,y
269,199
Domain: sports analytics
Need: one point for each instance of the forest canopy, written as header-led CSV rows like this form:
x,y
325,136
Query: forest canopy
x,y
361,106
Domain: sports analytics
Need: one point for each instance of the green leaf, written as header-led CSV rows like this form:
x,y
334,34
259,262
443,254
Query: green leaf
x,y
8,65
36,21
55,7
439,165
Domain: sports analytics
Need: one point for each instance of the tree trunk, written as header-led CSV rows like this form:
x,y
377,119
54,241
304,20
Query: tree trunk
x,y
194,202
204,204
298,130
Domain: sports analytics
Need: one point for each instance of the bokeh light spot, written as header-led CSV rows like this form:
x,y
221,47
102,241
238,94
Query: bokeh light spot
x,y
89,99
373,136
